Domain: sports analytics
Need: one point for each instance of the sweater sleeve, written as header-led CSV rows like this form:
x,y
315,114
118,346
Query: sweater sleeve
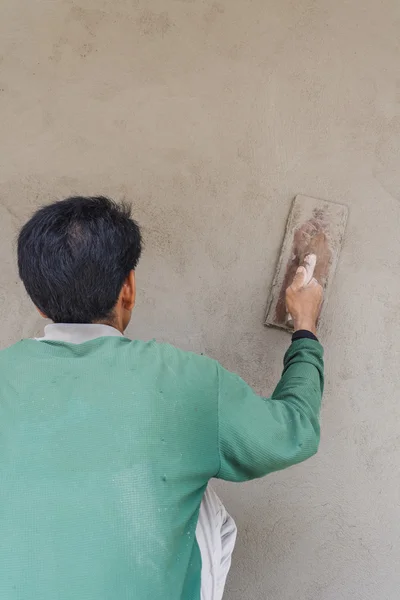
x,y
260,435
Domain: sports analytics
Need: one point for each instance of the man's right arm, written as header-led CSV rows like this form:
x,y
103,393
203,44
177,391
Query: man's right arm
x,y
259,435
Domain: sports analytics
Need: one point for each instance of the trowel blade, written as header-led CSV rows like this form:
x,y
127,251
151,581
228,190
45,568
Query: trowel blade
x,y
313,227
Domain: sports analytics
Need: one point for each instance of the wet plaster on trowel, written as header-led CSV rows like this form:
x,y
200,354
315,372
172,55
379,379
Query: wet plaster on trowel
x,y
314,228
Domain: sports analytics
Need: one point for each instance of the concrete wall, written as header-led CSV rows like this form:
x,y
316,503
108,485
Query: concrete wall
x,y
210,116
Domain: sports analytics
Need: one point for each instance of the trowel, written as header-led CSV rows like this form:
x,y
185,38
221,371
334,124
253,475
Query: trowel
x,y
313,237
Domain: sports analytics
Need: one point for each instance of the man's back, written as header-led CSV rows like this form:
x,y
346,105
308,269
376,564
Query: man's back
x,y
107,448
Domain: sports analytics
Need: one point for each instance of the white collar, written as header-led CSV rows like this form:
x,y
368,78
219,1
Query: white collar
x,y
76,333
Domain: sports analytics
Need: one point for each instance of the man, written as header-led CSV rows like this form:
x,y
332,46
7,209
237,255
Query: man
x,y
108,445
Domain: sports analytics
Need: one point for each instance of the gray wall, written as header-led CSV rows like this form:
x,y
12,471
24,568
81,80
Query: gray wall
x,y
210,117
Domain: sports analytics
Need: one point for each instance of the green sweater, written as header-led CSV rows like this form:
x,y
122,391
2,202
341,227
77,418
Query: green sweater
x,y
106,448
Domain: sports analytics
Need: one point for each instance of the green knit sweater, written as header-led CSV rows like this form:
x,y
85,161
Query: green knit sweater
x,y
106,448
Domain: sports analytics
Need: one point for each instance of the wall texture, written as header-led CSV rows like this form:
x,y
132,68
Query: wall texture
x,y
210,116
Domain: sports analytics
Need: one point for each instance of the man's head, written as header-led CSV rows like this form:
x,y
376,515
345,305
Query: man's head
x,y
77,258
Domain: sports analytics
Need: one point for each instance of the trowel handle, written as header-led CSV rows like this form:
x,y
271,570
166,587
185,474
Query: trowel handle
x,y
309,264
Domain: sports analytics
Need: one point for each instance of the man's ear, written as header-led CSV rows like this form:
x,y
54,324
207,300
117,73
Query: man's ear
x,y
41,313
129,292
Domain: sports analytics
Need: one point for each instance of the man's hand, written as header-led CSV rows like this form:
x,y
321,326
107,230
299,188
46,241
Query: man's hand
x,y
304,297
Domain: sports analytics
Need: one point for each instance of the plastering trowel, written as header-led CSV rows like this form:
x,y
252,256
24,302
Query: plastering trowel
x,y
314,233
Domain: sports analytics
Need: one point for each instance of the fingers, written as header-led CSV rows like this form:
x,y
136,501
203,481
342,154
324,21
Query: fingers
x,y
304,297
304,274
309,263
299,279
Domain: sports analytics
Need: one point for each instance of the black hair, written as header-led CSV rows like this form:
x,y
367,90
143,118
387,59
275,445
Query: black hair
x,y
74,256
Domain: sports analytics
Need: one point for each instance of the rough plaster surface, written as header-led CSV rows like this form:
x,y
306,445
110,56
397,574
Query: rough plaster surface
x,y
211,116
